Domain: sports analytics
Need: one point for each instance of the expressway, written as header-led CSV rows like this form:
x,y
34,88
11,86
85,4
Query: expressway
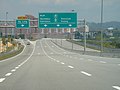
x,y
44,66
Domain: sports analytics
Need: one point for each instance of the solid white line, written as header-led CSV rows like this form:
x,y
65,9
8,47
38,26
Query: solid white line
x,y
13,70
28,57
70,66
8,74
62,63
85,73
116,87
2,79
102,62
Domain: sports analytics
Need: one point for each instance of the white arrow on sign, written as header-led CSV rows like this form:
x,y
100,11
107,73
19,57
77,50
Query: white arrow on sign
x,y
45,25
22,25
70,25
58,25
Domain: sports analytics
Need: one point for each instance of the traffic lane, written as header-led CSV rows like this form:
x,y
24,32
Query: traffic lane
x,y
95,58
40,72
9,64
96,80
110,61
56,48
99,69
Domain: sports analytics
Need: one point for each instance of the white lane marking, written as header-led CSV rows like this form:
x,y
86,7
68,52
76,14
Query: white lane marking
x,y
102,62
57,61
8,74
62,63
19,65
16,67
2,79
28,57
38,53
85,73
116,87
13,70
70,66
90,60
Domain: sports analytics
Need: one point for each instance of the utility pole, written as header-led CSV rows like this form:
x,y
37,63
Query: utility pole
x,y
101,26
84,36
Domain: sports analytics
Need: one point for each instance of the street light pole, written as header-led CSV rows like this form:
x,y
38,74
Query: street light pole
x,y
6,29
101,26
6,24
84,36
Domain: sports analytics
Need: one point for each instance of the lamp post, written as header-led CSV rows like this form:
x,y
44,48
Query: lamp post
x,y
6,24
6,28
101,26
72,32
84,36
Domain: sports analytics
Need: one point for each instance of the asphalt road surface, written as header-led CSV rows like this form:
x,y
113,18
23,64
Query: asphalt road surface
x,y
45,66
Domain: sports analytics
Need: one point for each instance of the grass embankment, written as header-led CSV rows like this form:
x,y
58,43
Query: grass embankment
x,y
12,53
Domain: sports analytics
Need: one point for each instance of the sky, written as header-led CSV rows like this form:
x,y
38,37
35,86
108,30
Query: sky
x,y
86,9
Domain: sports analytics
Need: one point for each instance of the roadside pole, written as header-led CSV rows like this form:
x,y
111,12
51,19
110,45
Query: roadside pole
x,y
72,38
84,36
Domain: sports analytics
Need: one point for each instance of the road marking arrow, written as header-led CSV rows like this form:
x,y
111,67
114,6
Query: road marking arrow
x,y
58,25
70,25
22,25
45,25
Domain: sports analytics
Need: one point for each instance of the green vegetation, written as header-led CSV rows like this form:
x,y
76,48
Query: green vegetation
x,y
11,54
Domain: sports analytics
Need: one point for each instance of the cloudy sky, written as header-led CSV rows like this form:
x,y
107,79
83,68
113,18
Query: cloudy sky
x,y
88,9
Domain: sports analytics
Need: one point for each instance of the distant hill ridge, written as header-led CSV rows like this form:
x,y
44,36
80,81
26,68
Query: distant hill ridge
x,y
96,26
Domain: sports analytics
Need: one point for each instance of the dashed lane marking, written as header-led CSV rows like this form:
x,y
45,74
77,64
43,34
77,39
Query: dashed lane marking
x,y
90,60
13,70
85,73
8,74
16,67
116,87
71,67
62,63
2,79
102,62
38,53
57,61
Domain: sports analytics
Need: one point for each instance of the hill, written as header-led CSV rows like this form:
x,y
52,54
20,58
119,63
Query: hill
x,y
96,26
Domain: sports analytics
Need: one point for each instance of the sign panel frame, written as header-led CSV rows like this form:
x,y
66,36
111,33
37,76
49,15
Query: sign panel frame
x,y
57,20
22,24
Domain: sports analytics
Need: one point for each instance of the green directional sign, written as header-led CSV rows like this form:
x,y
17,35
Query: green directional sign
x,y
22,23
57,20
